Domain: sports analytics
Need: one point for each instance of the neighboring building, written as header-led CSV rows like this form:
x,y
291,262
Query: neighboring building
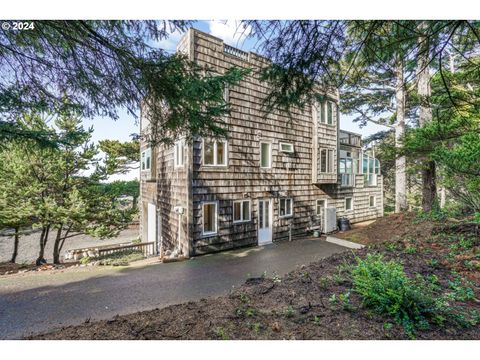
x,y
272,178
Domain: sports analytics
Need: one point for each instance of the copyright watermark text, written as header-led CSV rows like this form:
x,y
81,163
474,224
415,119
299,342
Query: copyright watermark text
x,y
17,25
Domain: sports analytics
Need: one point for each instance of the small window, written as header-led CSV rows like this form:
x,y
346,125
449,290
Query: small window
x,y
241,211
320,207
265,155
372,201
214,152
146,159
179,153
286,147
209,218
286,208
348,204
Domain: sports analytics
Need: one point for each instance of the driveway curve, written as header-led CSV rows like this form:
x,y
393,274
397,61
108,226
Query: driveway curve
x,y
38,302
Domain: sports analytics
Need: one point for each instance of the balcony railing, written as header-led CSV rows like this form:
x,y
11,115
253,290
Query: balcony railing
x,y
350,139
230,50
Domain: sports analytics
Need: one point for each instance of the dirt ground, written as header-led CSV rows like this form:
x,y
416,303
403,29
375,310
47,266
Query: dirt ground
x,y
299,305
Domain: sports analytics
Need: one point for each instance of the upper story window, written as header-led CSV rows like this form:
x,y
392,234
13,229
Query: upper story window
x,y
286,147
179,153
241,211
146,159
226,93
265,155
286,207
327,158
329,113
346,171
215,152
371,168
325,112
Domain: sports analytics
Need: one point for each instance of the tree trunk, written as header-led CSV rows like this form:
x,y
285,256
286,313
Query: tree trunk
x,y
56,246
429,187
15,245
43,241
443,191
400,161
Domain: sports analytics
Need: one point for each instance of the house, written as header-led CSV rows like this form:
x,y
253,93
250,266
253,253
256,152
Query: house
x,y
272,179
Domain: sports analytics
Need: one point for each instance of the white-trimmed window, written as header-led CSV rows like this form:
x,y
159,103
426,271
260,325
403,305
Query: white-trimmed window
x,y
146,159
348,204
226,93
320,206
327,158
346,171
241,211
372,201
286,147
330,108
209,218
371,168
215,152
325,110
321,116
265,155
179,153
286,207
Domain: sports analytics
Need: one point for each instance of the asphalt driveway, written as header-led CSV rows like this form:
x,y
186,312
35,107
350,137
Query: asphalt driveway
x,y
38,302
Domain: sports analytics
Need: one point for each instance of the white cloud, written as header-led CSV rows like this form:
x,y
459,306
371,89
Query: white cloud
x,y
232,32
170,43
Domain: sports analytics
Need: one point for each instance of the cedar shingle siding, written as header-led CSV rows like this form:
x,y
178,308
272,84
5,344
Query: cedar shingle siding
x,y
294,175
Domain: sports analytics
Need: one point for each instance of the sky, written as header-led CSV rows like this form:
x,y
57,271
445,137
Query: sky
x,y
231,34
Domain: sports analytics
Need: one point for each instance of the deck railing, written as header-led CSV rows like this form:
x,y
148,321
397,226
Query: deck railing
x,y
235,52
147,248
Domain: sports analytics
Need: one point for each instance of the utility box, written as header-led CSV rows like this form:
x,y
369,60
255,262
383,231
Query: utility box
x,y
330,220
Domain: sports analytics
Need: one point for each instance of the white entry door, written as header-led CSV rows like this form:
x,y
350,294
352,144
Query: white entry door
x,y
265,228
152,223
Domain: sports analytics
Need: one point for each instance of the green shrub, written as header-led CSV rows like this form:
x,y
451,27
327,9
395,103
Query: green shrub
x,y
85,260
384,287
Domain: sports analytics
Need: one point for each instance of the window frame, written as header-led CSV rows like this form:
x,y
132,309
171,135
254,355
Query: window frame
x,y
269,154
370,177
147,153
317,206
179,143
291,151
242,220
329,111
286,215
351,203
215,149
209,233
330,161
370,197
